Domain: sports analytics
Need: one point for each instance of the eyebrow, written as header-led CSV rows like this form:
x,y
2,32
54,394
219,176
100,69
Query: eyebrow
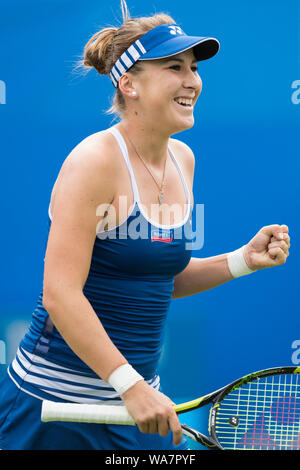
x,y
178,60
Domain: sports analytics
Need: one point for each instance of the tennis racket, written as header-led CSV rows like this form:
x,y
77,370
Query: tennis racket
x,y
258,411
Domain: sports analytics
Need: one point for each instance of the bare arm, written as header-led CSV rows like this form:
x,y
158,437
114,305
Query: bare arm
x,y
202,274
267,249
84,183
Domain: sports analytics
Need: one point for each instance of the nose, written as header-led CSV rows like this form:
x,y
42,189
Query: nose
x,y
192,80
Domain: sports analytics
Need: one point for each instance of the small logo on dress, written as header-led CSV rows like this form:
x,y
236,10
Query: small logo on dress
x,y
161,236
175,30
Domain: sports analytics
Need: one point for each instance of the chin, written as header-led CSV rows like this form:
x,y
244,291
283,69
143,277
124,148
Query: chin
x,y
183,126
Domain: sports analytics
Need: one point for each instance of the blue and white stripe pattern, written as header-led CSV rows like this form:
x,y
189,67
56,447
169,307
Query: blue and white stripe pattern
x,y
127,59
46,380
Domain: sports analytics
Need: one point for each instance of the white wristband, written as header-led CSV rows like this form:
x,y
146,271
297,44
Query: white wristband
x,y
123,378
237,264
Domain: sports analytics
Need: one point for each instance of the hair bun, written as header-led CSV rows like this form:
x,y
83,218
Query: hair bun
x,y
99,49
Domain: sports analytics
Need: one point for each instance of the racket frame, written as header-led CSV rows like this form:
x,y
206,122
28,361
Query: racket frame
x,y
215,398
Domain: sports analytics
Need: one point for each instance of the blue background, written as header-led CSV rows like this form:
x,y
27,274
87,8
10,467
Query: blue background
x,y
246,143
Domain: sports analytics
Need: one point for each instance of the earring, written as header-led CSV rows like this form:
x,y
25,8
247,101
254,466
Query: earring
x,y
133,93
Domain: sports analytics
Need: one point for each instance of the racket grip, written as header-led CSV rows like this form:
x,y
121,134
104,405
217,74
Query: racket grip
x,y
81,413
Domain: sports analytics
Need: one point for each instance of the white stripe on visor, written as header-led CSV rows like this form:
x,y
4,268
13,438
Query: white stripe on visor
x,y
127,61
135,51
140,46
116,74
118,65
115,82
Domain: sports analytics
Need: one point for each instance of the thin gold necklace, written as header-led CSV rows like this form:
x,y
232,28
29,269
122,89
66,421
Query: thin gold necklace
x,y
162,185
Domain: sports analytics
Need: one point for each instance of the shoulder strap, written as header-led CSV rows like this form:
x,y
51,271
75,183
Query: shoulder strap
x,y
186,189
122,144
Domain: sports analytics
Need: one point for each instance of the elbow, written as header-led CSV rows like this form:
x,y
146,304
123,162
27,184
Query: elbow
x,y
48,301
55,298
51,297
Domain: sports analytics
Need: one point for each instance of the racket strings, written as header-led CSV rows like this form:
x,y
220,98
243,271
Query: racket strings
x,y
263,414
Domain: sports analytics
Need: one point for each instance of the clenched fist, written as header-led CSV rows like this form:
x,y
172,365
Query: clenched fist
x,y
268,248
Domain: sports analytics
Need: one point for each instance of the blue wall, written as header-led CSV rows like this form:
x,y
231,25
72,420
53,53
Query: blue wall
x,y
246,143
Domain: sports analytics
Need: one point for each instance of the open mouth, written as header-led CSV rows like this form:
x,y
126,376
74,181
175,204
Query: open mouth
x,y
185,103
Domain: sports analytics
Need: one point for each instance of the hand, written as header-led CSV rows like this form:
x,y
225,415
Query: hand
x,y
152,411
269,247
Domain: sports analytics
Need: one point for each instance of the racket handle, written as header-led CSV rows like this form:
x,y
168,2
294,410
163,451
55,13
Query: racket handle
x,y
81,413
104,414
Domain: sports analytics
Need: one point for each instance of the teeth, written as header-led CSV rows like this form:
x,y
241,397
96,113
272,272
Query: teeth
x,y
184,101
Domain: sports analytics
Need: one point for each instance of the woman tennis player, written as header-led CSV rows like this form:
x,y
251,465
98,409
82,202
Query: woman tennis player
x,y
116,254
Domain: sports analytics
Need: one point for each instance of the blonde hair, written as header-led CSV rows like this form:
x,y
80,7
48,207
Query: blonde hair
x,y
107,45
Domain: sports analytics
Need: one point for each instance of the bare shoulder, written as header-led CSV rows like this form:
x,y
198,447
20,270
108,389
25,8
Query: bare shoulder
x,y
185,155
93,164
95,152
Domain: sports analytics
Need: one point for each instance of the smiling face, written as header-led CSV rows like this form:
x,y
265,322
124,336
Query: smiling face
x,y
167,90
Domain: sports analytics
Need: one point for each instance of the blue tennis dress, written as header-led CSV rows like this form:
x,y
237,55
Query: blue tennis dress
x,y
129,286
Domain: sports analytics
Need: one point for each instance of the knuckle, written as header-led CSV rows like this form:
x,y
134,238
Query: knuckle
x,y
142,427
177,432
139,422
164,414
160,415
143,420
176,427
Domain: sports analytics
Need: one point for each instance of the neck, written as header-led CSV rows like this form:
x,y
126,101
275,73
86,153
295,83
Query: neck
x,y
149,142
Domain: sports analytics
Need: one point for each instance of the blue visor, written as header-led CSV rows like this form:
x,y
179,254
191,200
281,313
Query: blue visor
x,y
160,42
